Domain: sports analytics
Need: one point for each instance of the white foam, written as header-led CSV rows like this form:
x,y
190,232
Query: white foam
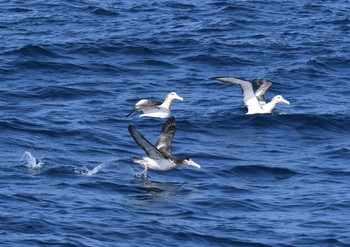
x,y
31,162
85,171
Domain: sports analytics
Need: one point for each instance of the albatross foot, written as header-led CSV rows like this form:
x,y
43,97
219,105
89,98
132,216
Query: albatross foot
x,y
142,174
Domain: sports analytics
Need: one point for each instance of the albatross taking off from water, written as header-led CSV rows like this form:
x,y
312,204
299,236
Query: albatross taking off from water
x,y
255,102
155,109
159,156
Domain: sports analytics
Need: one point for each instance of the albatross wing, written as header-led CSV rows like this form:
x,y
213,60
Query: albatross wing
x,y
144,103
150,150
263,85
166,136
250,99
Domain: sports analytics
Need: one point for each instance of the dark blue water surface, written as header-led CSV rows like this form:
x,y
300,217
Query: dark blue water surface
x,y
71,71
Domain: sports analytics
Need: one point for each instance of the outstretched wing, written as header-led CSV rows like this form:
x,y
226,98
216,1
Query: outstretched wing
x,y
166,136
263,85
150,150
250,99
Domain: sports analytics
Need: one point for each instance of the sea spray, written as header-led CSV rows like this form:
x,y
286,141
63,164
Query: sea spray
x,y
85,171
30,161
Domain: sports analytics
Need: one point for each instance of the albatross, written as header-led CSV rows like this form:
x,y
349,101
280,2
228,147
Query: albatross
x,y
255,102
159,157
155,109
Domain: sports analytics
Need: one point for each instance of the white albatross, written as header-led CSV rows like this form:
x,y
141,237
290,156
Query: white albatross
x,y
255,102
159,157
155,109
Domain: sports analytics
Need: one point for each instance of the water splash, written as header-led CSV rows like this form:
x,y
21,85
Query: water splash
x,y
136,173
85,171
30,161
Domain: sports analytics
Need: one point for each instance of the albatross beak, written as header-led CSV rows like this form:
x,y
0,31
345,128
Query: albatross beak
x,y
192,163
285,101
179,98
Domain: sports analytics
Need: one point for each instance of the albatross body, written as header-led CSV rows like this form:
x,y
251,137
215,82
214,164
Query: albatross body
x,y
155,109
255,102
159,157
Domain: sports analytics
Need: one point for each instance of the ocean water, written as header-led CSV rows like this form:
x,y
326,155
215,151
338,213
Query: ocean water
x,y
72,70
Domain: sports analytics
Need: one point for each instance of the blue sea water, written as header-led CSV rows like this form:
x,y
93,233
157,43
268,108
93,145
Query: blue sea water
x,y
72,70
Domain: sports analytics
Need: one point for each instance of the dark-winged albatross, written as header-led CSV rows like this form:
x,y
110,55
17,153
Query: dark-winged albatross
x,y
159,156
155,109
255,102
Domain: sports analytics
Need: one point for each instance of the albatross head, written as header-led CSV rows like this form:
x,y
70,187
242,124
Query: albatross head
x,y
189,162
169,98
279,99
173,95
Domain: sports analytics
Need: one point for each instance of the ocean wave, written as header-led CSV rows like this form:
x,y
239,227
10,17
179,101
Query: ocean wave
x,y
178,5
152,63
19,10
61,92
38,127
127,47
217,60
34,51
331,122
328,63
336,123
102,11
60,171
53,95
263,172
51,66
337,153
208,239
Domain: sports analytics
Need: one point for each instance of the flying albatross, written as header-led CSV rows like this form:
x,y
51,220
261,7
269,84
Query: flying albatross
x,y
155,109
255,102
159,156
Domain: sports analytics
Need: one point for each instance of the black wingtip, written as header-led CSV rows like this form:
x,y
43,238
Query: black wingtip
x,y
133,132
261,81
131,128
